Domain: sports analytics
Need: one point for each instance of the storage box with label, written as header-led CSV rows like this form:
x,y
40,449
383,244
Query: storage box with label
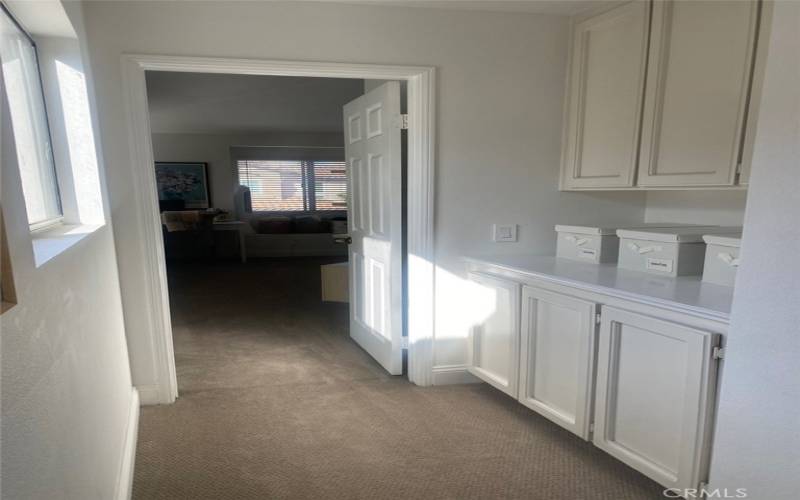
x,y
598,244
722,258
676,251
587,243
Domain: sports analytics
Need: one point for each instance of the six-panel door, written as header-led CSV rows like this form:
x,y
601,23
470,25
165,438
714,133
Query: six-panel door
x,y
375,211
556,357
654,396
493,348
607,74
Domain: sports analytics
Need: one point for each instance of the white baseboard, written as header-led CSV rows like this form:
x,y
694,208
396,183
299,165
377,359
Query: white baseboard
x,y
125,477
453,374
149,395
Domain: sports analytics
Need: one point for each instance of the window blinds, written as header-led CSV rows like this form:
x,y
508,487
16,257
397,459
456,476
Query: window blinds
x,y
294,185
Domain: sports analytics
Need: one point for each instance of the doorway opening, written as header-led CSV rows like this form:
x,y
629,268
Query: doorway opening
x,y
315,193
281,202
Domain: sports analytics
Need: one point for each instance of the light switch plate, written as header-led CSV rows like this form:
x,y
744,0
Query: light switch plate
x,y
504,232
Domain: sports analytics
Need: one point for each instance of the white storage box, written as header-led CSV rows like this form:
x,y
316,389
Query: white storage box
x,y
722,259
335,282
596,244
586,243
676,251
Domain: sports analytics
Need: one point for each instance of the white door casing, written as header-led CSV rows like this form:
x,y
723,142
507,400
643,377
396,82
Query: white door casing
x,y
493,348
654,396
155,379
557,344
372,150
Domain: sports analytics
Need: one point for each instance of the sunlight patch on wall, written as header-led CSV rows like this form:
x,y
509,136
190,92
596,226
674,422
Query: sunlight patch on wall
x,y
460,305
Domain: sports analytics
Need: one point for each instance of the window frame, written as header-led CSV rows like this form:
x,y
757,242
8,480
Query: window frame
x,y
308,186
59,219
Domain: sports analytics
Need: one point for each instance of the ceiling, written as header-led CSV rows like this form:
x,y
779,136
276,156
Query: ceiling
x,y
232,104
551,7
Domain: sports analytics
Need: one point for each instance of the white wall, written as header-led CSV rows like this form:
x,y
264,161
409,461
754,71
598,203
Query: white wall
x,y
66,387
499,102
203,103
214,149
723,208
758,433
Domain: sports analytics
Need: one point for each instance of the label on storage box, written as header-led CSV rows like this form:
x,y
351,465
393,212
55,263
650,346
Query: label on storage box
x,y
663,265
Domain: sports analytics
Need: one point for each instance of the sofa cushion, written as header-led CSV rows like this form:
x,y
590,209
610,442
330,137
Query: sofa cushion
x,y
274,225
311,224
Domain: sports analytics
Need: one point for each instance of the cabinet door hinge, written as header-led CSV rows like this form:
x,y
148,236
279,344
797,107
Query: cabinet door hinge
x,y
739,168
591,427
404,122
597,318
404,342
718,353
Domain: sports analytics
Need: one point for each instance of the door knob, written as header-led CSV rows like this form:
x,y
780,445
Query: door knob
x,y
344,238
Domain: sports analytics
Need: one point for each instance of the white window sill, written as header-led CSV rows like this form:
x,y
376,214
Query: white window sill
x,y
54,240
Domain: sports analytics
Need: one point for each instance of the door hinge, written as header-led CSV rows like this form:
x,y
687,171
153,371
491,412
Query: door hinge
x,y
404,122
739,168
718,353
597,319
404,342
591,427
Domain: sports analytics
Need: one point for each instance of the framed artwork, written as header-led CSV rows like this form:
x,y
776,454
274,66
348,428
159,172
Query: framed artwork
x,y
187,181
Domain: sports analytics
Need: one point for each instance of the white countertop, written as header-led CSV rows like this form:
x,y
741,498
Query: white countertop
x,y
687,293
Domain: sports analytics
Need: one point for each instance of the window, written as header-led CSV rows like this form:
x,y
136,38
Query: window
x,y
294,185
23,87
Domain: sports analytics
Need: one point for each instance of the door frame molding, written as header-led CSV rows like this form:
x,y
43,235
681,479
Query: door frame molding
x,y
419,208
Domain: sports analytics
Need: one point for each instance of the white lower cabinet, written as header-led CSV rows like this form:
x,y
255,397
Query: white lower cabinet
x,y
493,349
654,396
556,357
641,386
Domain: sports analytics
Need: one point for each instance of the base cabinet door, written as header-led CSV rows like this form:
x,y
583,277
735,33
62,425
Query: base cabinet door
x,y
654,396
556,357
493,348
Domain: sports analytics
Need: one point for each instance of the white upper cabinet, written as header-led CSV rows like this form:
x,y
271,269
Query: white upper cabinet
x,y
607,72
699,75
493,348
557,357
654,396
659,94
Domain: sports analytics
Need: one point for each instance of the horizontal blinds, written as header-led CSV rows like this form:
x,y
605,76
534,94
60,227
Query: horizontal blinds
x,y
275,186
330,185
293,185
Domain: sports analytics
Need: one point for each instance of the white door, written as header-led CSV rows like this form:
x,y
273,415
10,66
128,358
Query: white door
x,y
698,80
654,399
557,357
493,349
372,150
609,54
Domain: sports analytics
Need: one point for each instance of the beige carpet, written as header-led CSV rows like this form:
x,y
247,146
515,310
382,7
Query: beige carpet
x,y
277,402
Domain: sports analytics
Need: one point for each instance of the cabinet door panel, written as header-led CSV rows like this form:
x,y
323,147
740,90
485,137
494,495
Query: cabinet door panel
x,y
654,396
699,75
556,357
606,89
494,343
